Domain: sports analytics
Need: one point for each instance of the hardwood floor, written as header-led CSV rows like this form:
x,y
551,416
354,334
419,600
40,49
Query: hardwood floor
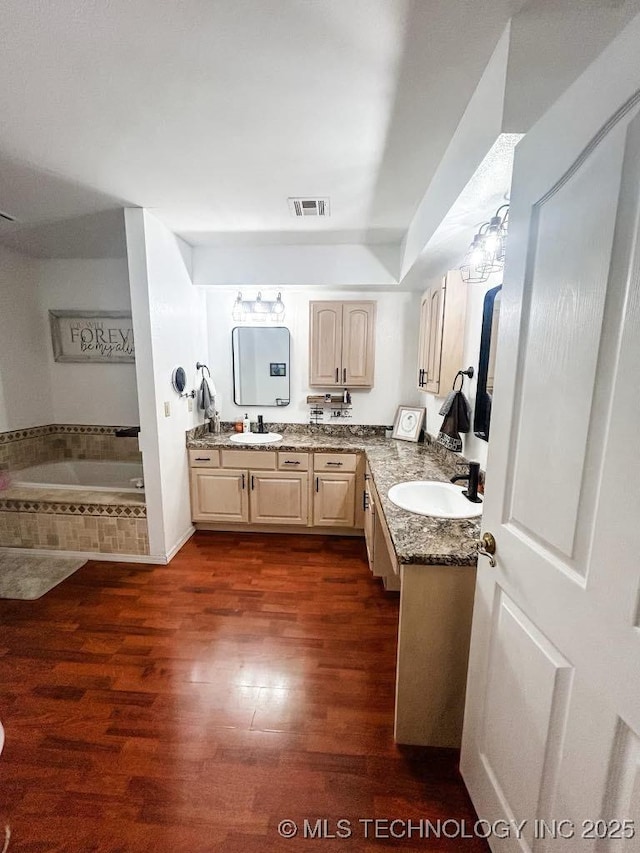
x,y
192,707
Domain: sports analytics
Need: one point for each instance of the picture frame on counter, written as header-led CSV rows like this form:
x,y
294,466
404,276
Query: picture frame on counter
x,y
408,423
104,337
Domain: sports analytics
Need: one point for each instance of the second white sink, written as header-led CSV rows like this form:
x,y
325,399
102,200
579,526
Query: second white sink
x,y
433,498
255,437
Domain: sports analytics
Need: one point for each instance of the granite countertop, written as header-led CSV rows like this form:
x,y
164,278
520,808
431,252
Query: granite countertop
x,y
417,539
305,442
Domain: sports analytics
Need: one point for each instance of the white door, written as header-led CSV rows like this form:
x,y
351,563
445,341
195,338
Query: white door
x,y
552,721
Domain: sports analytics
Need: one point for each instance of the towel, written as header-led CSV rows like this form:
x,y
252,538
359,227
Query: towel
x,y
206,398
457,419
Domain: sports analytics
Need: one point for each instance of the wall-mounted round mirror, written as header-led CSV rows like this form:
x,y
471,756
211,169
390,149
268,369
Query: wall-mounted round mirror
x,y
179,380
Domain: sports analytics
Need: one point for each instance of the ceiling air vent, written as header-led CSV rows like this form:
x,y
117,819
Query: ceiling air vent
x,y
6,217
309,206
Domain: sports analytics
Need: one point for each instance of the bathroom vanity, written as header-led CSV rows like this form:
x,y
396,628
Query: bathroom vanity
x,y
257,488
315,482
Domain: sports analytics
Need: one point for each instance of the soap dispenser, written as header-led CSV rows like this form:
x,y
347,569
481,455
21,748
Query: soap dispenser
x,y
245,423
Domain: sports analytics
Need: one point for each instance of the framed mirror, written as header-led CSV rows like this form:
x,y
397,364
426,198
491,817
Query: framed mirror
x,y
261,365
486,365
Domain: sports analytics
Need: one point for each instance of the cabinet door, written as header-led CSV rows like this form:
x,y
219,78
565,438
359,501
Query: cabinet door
x,y
423,344
442,322
435,298
358,344
279,497
325,343
383,561
219,495
369,522
454,315
334,500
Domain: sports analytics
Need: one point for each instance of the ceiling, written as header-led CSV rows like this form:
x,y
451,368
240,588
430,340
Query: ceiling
x,y
211,113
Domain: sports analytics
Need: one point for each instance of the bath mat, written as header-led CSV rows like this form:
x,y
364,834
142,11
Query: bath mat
x,y
28,577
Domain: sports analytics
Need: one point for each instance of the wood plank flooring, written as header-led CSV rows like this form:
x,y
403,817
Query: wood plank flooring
x,y
192,707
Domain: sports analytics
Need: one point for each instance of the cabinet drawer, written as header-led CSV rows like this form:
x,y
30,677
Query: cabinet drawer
x,y
257,460
293,461
204,458
335,461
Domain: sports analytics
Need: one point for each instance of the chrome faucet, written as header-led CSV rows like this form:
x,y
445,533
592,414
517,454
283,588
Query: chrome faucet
x,y
473,478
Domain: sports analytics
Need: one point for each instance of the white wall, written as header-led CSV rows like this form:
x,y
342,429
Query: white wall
x,y
169,321
86,393
307,265
396,348
473,448
25,394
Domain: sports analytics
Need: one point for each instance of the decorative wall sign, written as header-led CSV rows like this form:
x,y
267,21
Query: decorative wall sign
x,y
92,336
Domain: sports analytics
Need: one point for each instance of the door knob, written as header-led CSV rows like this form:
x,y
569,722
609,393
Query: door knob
x,y
487,547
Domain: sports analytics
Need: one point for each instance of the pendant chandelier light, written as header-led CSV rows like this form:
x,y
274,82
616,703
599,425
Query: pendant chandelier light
x,y
258,309
486,253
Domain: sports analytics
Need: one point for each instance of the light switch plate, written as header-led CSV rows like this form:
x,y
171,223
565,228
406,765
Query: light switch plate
x,y
167,410
190,404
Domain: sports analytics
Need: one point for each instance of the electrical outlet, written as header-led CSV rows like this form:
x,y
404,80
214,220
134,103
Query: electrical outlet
x,y
167,410
190,404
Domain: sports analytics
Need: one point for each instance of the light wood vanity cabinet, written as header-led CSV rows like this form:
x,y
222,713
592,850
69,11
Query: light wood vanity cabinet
x,y
275,488
257,493
442,319
341,344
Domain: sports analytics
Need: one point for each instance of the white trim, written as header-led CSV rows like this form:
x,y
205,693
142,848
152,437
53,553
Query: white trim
x,y
88,555
184,538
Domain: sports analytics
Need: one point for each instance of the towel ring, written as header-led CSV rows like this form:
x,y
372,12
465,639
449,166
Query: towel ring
x,y
203,367
462,373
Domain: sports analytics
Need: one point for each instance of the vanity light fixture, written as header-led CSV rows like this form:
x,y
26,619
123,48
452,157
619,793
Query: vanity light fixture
x,y
258,309
486,253
473,269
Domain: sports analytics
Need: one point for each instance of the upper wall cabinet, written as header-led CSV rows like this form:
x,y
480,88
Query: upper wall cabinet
x,y
341,344
442,317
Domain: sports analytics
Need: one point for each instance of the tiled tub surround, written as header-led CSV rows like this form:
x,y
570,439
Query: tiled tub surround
x,y
56,442
416,539
88,527
70,519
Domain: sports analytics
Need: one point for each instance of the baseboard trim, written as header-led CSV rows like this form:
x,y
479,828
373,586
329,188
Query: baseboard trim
x,y
181,541
279,528
89,555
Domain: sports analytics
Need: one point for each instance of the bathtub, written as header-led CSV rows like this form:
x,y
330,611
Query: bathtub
x,y
82,475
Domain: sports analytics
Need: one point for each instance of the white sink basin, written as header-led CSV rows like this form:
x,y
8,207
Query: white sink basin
x,y
429,497
255,437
